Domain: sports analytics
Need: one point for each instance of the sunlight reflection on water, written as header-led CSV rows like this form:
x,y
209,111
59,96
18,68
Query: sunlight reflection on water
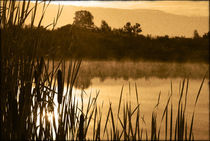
x,y
148,92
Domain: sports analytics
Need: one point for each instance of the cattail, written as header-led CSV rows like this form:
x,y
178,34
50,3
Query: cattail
x,y
37,75
40,67
37,86
81,127
60,86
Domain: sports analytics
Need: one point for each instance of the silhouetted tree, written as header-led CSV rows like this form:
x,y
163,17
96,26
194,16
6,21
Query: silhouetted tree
x,y
196,35
206,35
135,29
104,26
65,27
83,18
70,41
128,27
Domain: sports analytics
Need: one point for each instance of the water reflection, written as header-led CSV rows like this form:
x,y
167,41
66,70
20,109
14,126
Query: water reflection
x,y
149,90
108,78
148,94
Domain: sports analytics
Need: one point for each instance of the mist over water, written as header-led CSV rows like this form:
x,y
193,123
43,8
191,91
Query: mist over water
x,y
68,73
126,70
155,78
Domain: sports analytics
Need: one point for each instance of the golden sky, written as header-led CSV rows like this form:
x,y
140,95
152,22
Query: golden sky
x,y
188,8
173,18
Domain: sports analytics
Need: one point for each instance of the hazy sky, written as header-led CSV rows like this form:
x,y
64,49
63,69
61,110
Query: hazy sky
x,y
188,8
173,18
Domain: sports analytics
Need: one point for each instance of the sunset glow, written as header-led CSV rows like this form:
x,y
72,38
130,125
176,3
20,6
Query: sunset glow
x,y
85,70
186,15
188,8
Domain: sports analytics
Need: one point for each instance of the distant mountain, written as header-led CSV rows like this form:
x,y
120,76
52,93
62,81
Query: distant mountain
x,y
153,22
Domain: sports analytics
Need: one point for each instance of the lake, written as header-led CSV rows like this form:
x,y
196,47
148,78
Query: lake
x,y
148,92
151,79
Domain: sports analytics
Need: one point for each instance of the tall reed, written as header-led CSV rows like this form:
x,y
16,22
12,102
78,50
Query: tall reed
x,y
29,89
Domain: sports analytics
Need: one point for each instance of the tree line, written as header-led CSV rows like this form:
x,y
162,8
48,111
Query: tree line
x,y
84,40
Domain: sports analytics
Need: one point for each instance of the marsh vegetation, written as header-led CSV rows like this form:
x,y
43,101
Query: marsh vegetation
x,y
39,98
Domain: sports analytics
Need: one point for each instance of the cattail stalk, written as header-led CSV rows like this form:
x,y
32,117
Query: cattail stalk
x,y
60,86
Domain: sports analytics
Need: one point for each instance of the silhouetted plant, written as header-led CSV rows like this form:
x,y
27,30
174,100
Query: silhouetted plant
x,y
60,86
28,88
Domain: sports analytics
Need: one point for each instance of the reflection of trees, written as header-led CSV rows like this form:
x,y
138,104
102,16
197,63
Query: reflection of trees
x,y
131,70
83,82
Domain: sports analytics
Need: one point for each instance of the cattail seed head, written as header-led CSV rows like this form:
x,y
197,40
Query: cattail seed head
x,y
60,86
81,127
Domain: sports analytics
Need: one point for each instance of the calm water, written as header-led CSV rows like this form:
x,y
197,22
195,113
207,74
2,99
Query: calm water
x,y
148,92
113,76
